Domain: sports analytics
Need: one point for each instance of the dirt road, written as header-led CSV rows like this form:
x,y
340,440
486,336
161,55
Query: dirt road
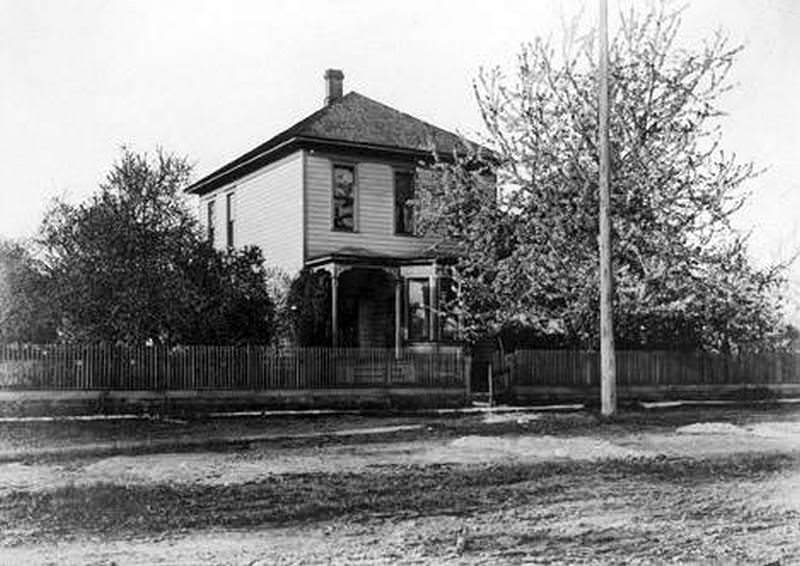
x,y
709,487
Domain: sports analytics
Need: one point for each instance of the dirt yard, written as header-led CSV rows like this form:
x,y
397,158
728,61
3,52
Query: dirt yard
x,y
679,486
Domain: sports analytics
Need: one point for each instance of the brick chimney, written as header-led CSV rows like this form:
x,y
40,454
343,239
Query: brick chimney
x,y
334,79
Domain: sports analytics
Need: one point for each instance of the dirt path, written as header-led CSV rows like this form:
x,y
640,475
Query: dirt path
x,y
703,492
625,519
259,463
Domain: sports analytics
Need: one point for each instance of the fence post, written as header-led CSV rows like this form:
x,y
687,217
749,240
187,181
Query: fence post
x,y
168,382
512,371
248,367
509,363
588,362
388,365
491,385
466,367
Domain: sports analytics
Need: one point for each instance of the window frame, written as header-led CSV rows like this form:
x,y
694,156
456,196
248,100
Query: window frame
x,y
395,209
446,284
230,218
354,167
426,309
211,219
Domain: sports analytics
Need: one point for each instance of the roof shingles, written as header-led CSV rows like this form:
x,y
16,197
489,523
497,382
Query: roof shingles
x,y
359,119
354,119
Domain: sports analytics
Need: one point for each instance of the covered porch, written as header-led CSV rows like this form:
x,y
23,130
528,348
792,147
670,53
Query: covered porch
x,y
388,302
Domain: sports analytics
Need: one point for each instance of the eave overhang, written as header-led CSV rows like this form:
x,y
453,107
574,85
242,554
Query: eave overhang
x,y
250,163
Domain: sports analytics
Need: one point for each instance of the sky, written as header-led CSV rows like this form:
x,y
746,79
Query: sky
x,y
211,79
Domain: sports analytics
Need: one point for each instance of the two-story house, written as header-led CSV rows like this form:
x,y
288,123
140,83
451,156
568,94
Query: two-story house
x,y
333,192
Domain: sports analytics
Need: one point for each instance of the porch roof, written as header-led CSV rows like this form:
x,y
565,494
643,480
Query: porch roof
x,y
363,256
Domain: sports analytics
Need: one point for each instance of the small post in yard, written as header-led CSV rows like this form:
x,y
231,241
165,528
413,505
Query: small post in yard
x,y
467,369
491,385
608,370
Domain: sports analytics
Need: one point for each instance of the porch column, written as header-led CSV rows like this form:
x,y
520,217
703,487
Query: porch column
x,y
335,307
398,305
433,282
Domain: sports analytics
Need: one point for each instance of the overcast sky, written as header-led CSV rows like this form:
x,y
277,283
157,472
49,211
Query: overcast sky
x,y
211,79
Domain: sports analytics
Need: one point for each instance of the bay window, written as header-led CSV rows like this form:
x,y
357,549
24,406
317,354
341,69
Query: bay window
x,y
419,310
449,324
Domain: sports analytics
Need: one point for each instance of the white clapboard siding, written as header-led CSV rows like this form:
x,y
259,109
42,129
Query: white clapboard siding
x,y
268,212
375,212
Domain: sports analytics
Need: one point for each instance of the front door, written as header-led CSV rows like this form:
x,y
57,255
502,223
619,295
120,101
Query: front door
x,y
366,308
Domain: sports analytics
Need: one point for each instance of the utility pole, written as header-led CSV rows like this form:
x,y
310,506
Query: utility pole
x,y
608,366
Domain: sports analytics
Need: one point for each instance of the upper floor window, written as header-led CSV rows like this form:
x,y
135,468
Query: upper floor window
x,y
211,220
230,214
344,195
404,202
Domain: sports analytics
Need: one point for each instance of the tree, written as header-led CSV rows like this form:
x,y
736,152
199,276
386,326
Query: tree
x,y
683,278
279,283
112,258
226,299
25,310
309,308
129,265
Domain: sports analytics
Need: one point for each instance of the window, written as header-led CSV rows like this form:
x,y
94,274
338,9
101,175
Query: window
x,y
419,310
230,213
404,202
211,220
448,310
344,190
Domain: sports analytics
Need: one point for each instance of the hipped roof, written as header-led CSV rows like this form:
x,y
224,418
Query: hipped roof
x,y
353,122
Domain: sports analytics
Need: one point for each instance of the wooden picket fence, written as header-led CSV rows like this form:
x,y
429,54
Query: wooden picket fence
x,y
572,368
156,368
68,367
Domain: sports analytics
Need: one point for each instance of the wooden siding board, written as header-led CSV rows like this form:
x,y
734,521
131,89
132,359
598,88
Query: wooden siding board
x,y
269,212
375,215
